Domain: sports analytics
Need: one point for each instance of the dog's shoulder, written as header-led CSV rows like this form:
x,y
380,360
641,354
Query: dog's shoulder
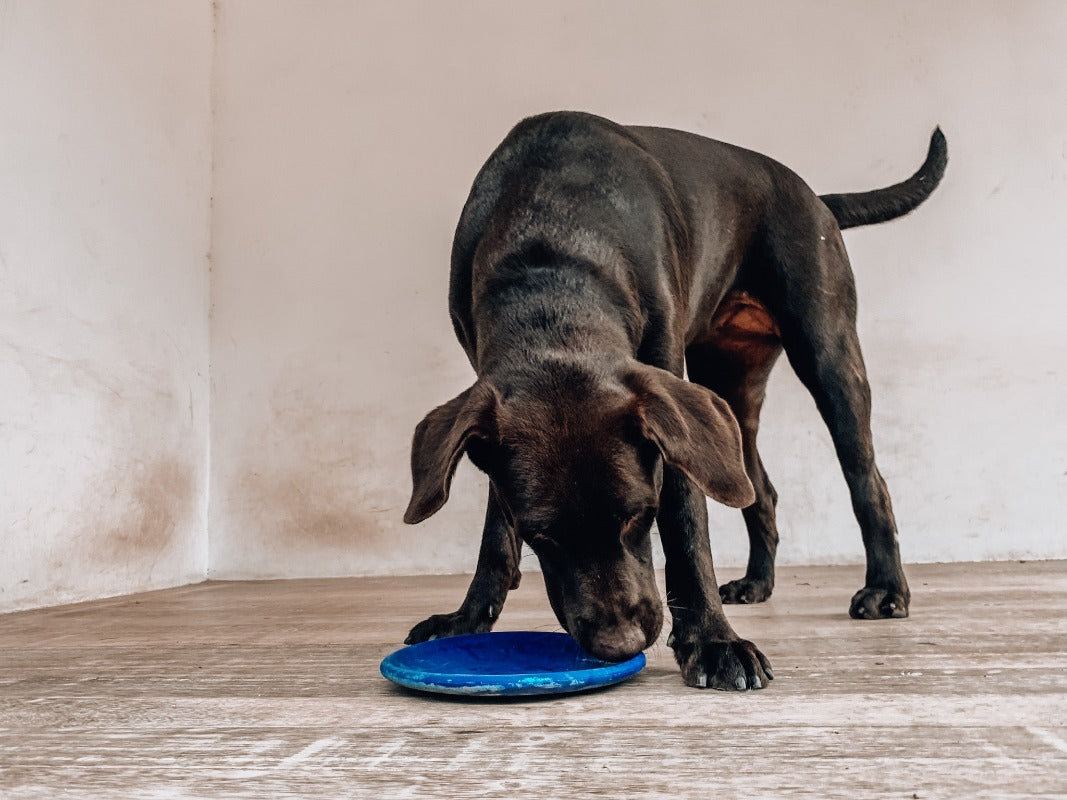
x,y
562,124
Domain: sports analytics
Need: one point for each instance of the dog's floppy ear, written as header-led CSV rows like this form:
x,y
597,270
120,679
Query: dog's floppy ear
x,y
695,431
439,442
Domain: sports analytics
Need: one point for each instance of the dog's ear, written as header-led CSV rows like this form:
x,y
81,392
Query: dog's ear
x,y
695,431
439,442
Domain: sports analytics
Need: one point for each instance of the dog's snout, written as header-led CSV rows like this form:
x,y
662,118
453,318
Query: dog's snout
x,y
613,612
617,643
616,637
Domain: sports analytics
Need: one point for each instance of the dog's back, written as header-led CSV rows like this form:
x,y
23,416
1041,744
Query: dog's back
x,y
632,199
643,200
580,182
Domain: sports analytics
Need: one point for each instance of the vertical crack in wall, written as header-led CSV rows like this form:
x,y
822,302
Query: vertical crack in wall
x,y
209,300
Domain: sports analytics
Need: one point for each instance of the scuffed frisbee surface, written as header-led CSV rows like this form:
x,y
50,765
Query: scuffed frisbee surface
x,y
503,664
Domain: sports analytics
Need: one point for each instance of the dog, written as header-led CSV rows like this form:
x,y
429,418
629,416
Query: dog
x,y
592,264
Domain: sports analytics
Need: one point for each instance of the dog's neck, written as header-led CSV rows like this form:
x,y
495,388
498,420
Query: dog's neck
x,y
542,315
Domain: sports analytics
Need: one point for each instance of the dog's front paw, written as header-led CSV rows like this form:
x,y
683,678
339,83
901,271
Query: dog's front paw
x,y
458,622
745,590
734,665
875,602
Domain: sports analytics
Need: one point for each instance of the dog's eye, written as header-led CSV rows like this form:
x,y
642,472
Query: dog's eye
x,y
643,518
634,535
638,524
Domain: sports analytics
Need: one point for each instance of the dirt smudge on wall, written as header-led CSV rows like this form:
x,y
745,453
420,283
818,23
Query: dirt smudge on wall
x,y
312,507
159,496
311,476
310,486
130,515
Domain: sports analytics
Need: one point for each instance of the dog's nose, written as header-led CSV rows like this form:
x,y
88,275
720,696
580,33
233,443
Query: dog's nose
x,y
616,643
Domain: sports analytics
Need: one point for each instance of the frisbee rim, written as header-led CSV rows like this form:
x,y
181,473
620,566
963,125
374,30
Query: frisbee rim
x,y
397,668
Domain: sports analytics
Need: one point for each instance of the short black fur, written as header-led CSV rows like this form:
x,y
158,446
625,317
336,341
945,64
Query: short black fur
x,y
593,263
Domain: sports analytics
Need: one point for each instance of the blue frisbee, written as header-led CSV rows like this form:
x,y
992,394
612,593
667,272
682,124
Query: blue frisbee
x,y
504,664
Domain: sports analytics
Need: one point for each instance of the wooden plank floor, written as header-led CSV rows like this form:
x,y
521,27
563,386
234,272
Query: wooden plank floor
x,y
271,689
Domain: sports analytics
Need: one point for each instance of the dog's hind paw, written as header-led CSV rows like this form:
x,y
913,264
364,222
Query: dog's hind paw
x,y
458,622
734,665
745,590
873,602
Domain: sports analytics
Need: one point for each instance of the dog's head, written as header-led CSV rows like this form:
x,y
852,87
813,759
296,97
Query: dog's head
x,y
576,460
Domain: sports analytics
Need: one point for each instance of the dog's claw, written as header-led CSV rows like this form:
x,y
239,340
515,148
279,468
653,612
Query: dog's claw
x,y
732,665
746,590
879,603
492,612
670,640
474,620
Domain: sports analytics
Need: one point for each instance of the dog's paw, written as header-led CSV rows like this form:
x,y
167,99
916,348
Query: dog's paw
x,y
745,590
733,665
458,622
873,602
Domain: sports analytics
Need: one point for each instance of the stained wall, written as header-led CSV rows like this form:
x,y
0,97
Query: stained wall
x,y
105,165
347,137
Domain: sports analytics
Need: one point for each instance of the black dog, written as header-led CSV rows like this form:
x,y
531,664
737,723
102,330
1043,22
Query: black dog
x,y
591,264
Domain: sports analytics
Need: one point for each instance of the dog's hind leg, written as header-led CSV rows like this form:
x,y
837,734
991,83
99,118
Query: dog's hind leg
x,y
496,574
815,307
735,365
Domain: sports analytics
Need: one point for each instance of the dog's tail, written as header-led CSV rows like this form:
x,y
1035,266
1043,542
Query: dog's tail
x,y
880,205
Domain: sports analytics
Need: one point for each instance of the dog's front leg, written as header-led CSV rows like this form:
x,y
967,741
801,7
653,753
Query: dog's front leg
x,y
497,573
708,651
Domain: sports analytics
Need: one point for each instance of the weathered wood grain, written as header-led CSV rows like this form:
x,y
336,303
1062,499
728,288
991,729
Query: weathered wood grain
x,y
271,689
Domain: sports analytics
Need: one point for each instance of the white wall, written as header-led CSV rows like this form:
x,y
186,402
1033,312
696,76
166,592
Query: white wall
x,y
104,233
347,137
